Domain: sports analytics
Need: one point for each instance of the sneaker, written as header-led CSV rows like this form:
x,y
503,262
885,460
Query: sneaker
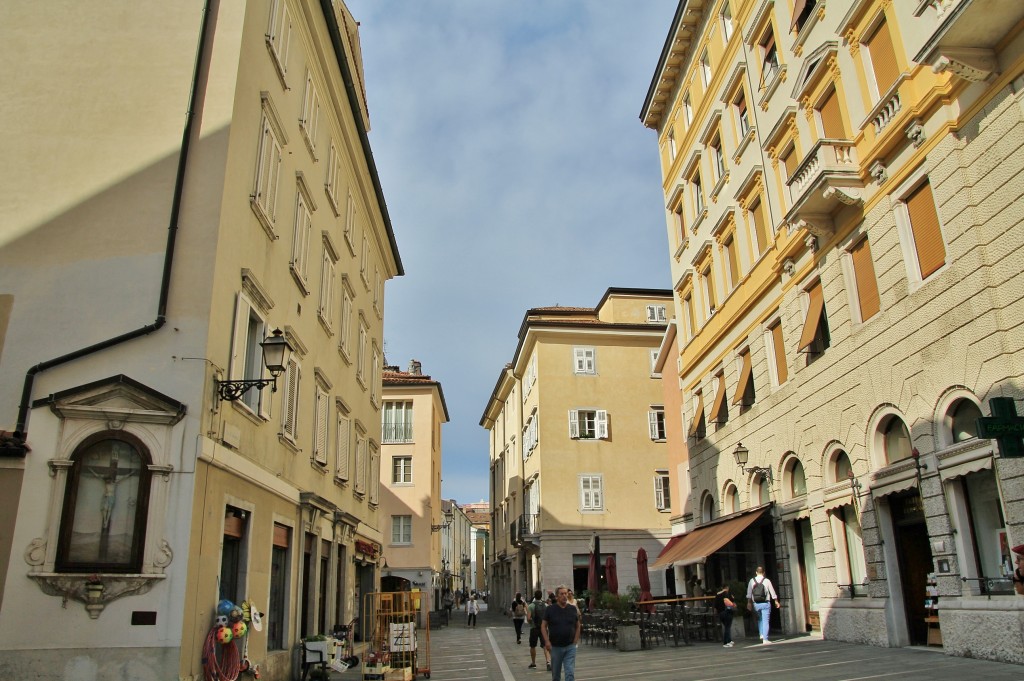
x,y
765,641
730,644
549,666
725,645
532,665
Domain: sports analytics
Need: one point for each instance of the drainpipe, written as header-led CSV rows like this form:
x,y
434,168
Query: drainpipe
x,y
202,59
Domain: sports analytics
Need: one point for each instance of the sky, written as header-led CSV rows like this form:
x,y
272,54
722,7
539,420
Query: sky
x,y
517,174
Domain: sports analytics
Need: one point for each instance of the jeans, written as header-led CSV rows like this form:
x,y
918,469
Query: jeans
x,y
763,610
471,620
726,617
563,656
518,623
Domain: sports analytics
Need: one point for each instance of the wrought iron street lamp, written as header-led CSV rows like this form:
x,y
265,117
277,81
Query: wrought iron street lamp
x,y
449,516
276,351
742,455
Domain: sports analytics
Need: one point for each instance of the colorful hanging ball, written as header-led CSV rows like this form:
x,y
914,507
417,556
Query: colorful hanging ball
x,y
235,614
225,607
224,635
239,629
220,621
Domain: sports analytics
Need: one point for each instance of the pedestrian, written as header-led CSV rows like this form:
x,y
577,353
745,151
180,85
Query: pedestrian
x,y
472,610
726,608
760,593
572,600
518,615
535,615
449,603
696,590
1018,572
561,631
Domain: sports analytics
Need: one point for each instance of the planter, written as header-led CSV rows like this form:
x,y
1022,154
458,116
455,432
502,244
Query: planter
x,y
628,637
317,651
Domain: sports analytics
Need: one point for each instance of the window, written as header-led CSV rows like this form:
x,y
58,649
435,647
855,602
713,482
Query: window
x,y
742,114
796,479
333,181
707,508
106,503
802,10
744,396
756,211
732,499
769,57
688,311
790,161
895,440
882,56
268,172
978,506
672,150
778,350
588,424
397,422
349,227
277,610
762,489
378,292
841,467
925,230
731,261
531,434
374,474
290,409
529,379
584,361
727,28
375,376
718,156
327,286
654,363
246,352
656,314
831,118
401,529
964,420
591,493
346,319
698,194
698,426
687,109
662,495
708,285
361,353
310,120
359,487
815,337
279,33
233,555
364,263
865,286
656,423
705,68
849,540
720,408
300,239
344,447
320,430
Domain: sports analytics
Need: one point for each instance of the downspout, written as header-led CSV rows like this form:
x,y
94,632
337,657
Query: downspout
x,y
21,431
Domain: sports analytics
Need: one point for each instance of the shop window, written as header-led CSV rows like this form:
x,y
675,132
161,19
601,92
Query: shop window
x,y
987,563
849,541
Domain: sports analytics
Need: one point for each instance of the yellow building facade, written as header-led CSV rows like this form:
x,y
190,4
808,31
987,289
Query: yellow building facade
x,y
842,185
577,445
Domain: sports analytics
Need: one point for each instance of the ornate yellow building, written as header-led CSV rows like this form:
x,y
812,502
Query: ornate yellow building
x,y
843,187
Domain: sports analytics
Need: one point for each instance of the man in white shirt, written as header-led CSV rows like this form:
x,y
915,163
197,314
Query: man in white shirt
x,y
760,593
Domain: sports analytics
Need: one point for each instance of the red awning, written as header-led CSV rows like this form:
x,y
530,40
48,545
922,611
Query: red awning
x,y
697,545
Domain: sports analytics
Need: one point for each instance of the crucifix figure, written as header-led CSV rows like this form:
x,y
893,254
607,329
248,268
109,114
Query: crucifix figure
x,y
111,476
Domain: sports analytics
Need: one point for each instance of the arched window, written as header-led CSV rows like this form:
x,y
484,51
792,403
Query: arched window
x,y
707,513
103,524
797,480
896,439
762,489
964,416
732,499
842,469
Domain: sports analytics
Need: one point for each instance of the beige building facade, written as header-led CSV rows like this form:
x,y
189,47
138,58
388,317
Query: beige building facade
x,y
843,187
183,180
576,427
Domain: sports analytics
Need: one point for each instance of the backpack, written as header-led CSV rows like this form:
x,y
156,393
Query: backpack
x,y
539,607
759,593
520,610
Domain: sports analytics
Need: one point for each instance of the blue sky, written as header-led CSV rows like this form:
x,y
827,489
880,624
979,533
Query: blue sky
x,y
517,175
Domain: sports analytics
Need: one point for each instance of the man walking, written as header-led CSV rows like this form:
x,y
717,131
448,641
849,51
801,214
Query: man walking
x,y
535,615
759,594
561,631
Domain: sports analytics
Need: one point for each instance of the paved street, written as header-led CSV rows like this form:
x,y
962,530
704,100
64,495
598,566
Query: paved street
x,y
490,653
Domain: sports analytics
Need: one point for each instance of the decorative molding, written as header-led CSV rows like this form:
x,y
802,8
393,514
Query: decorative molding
x,y
878,172
35,554
256,291
970,63
93,590
850,196
811,242
915,133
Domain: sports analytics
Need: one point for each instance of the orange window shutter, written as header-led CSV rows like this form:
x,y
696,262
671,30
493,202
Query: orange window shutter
x,y
924,224
743,385
831,119
780,354
791,161
760,229
281,536
867,286
698,416
814,309
883,58
719,413
734,265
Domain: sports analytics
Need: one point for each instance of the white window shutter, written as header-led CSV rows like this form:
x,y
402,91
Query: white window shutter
x,y
579,355
291,410
602,424
273,176
652,313
588,355
320,448
344,447
652,424
534,433
574,424
596,493
585,492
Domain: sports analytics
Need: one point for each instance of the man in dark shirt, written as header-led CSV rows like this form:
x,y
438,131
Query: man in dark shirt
x,y
561,632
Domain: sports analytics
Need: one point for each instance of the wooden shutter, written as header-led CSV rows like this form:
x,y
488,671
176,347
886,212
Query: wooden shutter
x,y
652,425
320,434
867,287
745,383
831,119
602,424
291,397
719,411
883,58
691,323
779,348
698,416
344,447
815,307
790,160
574,424
798,9
734,265
924,223
760,228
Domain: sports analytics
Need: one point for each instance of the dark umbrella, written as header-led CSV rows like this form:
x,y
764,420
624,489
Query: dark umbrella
x,y
593,575
644,576
611,575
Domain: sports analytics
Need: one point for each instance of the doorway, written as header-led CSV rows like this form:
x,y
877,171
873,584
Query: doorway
x,y
914,557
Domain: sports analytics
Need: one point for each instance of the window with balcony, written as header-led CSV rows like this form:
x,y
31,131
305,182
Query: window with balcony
x,y
790,161
662,495
401,470
588,424
397,422
830,117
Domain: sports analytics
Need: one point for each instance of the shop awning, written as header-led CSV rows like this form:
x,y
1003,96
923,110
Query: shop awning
x,y
695,546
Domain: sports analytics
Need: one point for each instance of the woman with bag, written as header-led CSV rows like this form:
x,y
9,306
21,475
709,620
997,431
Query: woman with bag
x,y
726,608
518,615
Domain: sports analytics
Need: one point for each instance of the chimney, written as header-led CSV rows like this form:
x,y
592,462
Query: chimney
x,y
415,368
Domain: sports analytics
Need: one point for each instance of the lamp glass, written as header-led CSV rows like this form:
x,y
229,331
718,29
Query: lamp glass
x,y
276,351
741,453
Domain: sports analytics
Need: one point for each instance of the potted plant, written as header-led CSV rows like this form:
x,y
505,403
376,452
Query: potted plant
x,y
316,648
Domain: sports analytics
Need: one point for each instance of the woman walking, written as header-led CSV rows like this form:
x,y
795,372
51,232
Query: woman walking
x,y
518,615
726,608
472,610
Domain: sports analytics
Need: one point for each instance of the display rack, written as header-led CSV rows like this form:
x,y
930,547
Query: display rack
x,y
931,611
395,651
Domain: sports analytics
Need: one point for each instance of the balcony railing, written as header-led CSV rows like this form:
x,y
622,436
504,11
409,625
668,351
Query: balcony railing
x,y
528,524
396,432
827,177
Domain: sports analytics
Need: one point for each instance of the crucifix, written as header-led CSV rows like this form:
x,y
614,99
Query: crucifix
x,y
111,476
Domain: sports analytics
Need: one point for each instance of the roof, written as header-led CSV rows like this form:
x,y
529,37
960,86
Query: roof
x,y
400,378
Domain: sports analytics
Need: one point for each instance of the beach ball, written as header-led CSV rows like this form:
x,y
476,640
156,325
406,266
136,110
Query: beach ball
x,y
239,629
224,635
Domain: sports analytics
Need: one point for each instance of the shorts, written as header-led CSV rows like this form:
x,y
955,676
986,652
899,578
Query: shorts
x,y
534,637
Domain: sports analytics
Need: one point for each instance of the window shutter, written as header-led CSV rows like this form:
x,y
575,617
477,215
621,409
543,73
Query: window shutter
x,y
719,411
659,493
760,227
883,58
291,400
320,448
924,223
666,491
574,424
698,416
867,287
831,119
596,493
780,354
602,424
814,309
344,447
652,313
652,424
273,176
790,160
534,432
744,384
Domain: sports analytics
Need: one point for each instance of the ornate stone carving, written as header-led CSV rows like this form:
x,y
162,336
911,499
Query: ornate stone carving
x,y
915,133
35,554
94,591
811,242
878,172
848,195
789,267
974,64
164,556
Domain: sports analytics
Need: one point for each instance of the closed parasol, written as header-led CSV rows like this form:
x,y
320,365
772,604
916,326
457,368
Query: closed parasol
x,y
644,576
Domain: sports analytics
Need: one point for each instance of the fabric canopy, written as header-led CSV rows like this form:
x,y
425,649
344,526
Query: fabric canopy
x,y
611,575
697,545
